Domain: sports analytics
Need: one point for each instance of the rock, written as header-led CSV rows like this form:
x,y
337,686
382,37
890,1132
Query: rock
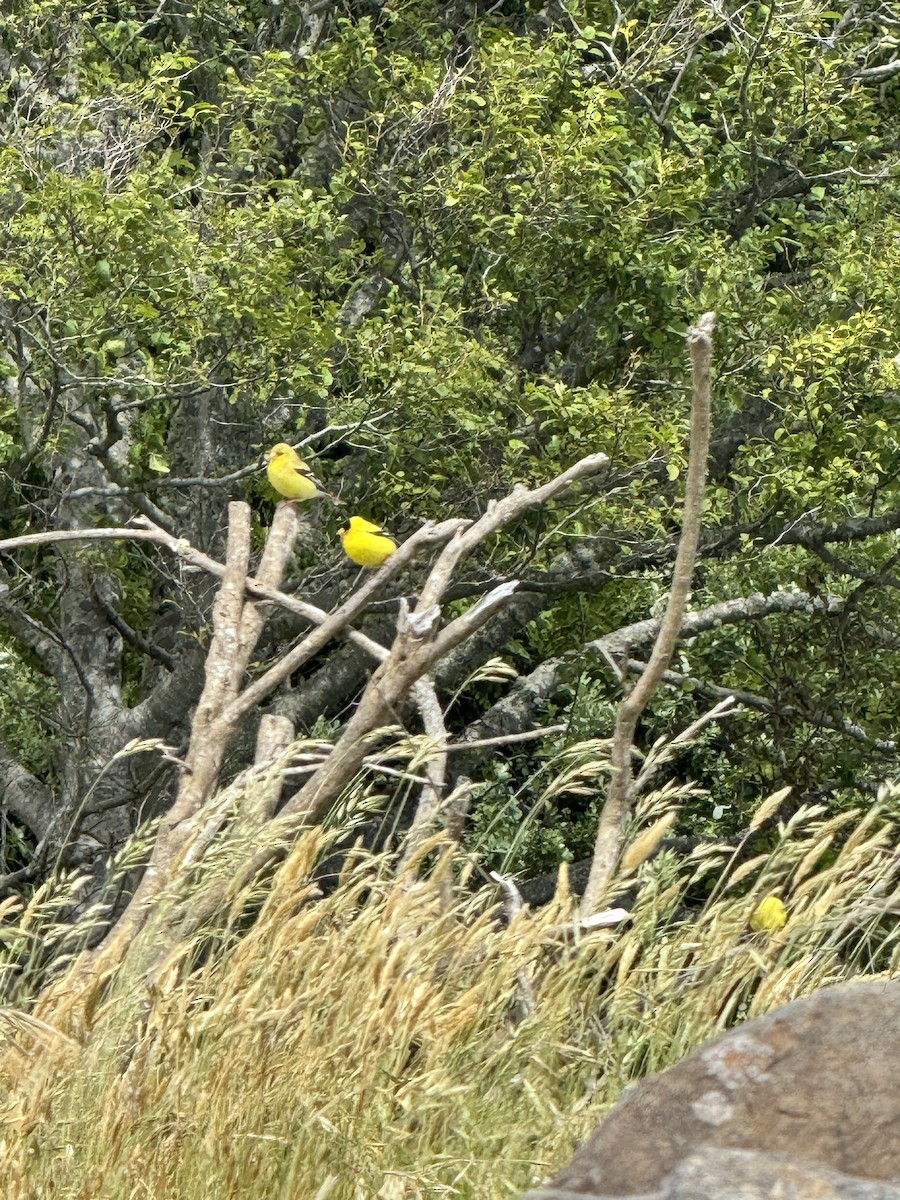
x,y
713,1174
805,1098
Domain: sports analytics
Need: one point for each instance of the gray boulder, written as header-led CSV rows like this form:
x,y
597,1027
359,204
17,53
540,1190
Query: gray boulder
x,y
803,1104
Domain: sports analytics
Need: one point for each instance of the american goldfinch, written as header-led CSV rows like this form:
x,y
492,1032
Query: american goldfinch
x,y
769,915
366,543
290,476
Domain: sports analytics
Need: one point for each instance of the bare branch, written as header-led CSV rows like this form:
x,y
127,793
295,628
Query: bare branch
x,y
220,481
419,646
616,810
810,716
527,735
226,662
499,513
145,530
22,794
340,618
425,696
727,706
237,622
276,554
518,708
725,612
878,74
126,632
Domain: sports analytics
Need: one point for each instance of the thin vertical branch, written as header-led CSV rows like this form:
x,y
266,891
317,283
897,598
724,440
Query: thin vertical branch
x,y
425,696
617,809
275,735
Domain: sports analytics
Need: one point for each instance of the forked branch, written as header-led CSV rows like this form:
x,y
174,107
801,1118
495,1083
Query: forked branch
x,y
421,641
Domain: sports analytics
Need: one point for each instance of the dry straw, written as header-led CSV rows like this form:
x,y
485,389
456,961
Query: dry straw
x,y
371,1042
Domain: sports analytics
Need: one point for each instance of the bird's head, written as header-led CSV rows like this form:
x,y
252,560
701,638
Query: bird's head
x,y
365,526
277,451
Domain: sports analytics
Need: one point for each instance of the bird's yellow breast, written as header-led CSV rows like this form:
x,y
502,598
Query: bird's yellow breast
x,y
288,475
365,548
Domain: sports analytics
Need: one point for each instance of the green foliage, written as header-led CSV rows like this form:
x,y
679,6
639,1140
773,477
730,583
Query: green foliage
x,y
540,205
26,702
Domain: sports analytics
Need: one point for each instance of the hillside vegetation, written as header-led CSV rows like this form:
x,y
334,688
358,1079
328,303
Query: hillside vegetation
x,y
376,1042
252,800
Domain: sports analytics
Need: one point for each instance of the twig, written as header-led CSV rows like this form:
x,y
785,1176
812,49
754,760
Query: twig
x,y
121,626
508,739
821,720
215,481
726,707
513,905
378,768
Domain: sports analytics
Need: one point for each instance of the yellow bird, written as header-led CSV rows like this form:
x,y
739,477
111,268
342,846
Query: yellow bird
x,y
366,543
770,915
290,476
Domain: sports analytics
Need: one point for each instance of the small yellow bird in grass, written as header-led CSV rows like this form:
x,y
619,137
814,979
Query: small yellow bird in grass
x,y
366,543
290,476
770,915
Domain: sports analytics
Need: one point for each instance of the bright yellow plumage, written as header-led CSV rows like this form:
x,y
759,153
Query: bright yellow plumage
x,y
365,543
770,915
290,476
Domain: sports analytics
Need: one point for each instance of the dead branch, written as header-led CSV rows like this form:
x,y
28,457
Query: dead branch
x,y
236,628
617,809
811,716
509,739
425,695
516,710
237,623
273,738
421,643
335,622
145,530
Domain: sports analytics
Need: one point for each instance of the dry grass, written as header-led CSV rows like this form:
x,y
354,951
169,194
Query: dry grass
x,y
366,1043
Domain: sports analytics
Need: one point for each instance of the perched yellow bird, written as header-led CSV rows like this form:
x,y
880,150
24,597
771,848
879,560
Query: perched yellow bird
x,y
366,543
769,915
290,476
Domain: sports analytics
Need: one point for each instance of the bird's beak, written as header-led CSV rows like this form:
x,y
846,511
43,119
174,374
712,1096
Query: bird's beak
x,y
344,529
